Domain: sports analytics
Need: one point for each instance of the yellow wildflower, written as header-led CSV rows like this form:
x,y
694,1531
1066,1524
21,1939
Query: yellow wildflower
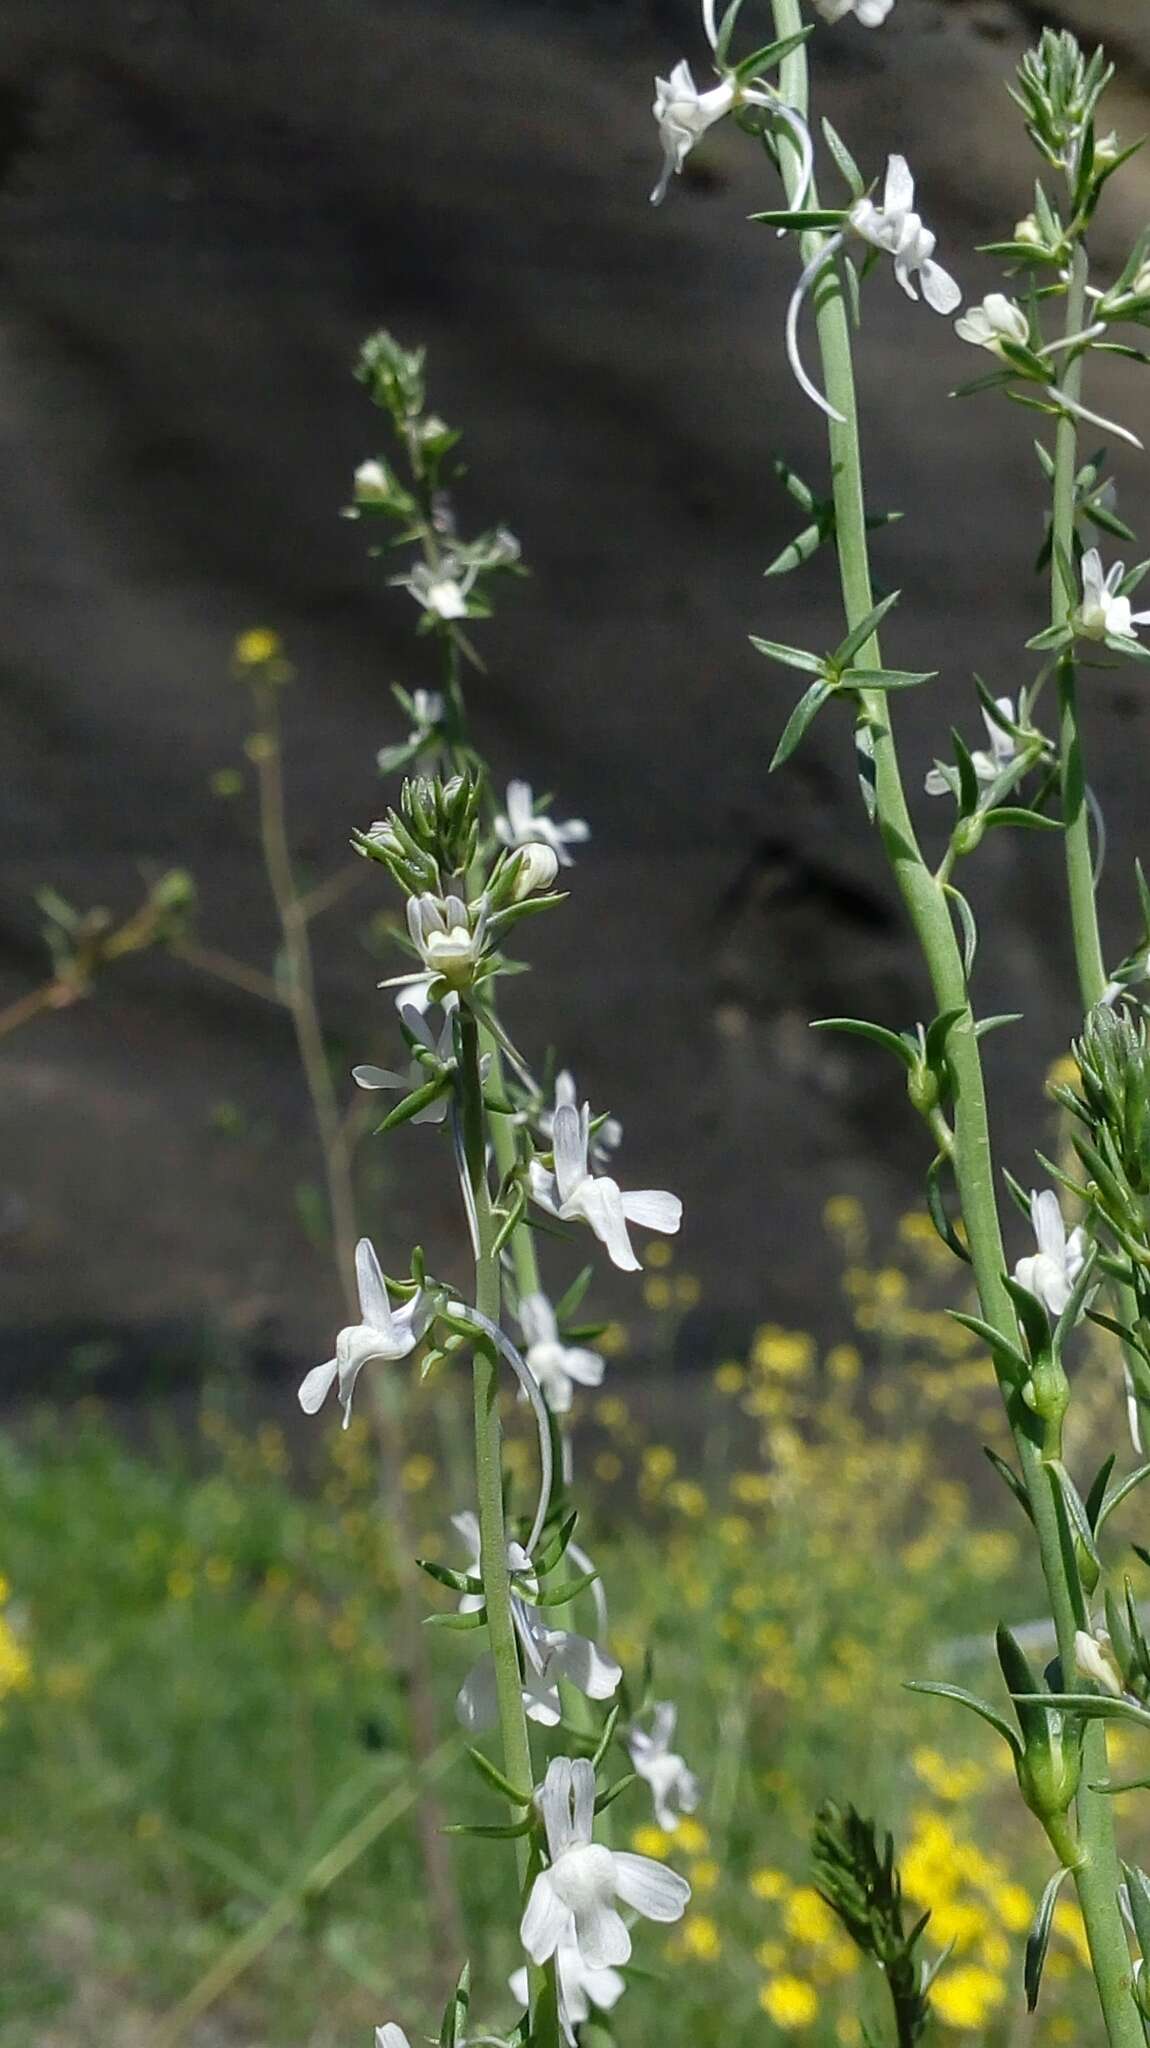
x,y
790,2002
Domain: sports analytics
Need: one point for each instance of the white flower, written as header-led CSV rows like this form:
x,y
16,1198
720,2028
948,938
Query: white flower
x,y
580,1988
467,1525
573,1192
572,1900
391,2036
895,228
988,766
442,591
674,1788
998,319
1103,614
522,825
871,13
384,1333
1094,1658
605,1140
448,937
548,1654
372,481
683,115
1050,1273
537,870
558,1367
418,1074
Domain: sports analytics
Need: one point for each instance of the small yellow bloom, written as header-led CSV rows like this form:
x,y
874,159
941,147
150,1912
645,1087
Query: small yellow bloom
x,y
704,1874
690,1836
181,1584
657,1253
608,1467
730,1378
657,1291
651,1841
790,2002
257,646
844,1364
967,1997
417,1472
807,1917
700,1938
770,1884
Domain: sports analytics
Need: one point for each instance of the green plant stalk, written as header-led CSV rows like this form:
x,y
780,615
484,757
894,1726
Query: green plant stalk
x,y
1079,854
513,1730
1096,1872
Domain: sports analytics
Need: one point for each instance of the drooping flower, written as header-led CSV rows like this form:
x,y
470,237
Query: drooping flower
x,y
895,228
989,764
870,13
384,1333
996,320
684,114
1051,1271
573,1193
1104,614
674,1788
466,1523
558,1367
572,1900
547,1655
442,1051
522,825
580,1988
536,871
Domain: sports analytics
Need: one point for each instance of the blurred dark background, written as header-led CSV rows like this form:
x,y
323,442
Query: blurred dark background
x,y
205,205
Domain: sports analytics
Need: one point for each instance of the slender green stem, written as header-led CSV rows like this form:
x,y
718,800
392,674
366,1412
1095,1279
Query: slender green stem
x,y
1076,815
489,1434
1096,1873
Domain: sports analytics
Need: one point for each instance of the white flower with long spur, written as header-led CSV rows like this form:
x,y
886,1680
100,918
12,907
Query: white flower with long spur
x,y
1051,1271
870,13
674,1788
684,114
998,319
988,764
558,1367
547,1655
522,825
1104,614
443,591
898,231
385,1333
442,1050
573,1899
573,1193
580,1989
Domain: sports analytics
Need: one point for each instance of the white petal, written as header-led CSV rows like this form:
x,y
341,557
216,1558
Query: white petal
x,y
545,1920
554,1801
898,192
602,1204
602,1935
477,1701
543,1188
377,1077
654,1891
570,1150
374,1304
584,1366
517,1985
939,288
541,1702
591,1669
317,1386
391,2036
537,1319
654,1209
936,783
1049,1229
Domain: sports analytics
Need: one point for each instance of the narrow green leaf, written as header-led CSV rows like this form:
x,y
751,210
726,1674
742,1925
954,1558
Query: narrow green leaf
x,y
848,170
1016,814
790,657
477,1619
803,715
857,1027
495,1778
886,678
459,1582
1038,1939
858,636
963,1698
1010,1479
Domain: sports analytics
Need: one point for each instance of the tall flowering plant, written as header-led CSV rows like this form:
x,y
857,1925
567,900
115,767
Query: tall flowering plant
x,y
472,863
1038,341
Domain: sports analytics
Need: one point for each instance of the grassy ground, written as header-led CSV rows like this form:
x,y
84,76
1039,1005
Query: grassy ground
x,y
199,1702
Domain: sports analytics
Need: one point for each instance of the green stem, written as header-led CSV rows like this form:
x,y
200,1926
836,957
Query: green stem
x,y
1076,815
1097,1873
